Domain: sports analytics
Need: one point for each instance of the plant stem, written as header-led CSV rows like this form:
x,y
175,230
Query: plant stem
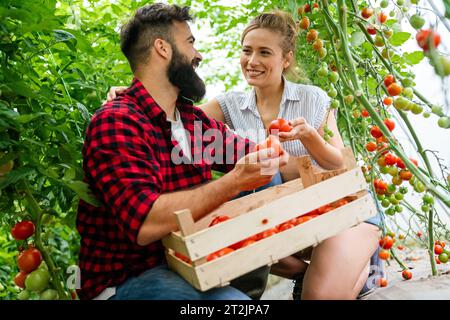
x,y
37,213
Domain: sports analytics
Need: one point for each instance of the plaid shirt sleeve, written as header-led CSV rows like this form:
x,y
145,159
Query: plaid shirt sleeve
x,y
121,168
234,146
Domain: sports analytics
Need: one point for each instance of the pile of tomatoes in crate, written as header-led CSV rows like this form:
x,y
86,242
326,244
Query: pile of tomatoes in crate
x,y
269,232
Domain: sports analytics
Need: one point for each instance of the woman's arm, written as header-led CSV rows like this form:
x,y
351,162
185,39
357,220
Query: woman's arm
x,y
327,154
213,110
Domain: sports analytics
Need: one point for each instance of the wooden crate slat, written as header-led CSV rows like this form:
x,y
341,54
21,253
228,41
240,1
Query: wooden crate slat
x,y
250,202
183,269
219,236
175,242
221,271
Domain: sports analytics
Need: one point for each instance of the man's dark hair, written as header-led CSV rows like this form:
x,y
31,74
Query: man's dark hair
x,y
149,23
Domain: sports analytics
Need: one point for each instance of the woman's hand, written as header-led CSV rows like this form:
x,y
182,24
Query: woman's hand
x,y
301,130
114,92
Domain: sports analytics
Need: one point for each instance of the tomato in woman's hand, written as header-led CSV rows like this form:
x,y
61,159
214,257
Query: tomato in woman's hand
x,y
271,142
29,260
23,230
279,125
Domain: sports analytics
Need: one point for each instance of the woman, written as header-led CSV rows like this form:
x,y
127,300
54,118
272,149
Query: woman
x,y
339,266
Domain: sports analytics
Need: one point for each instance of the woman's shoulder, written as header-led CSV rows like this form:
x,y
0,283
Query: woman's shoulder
x,y
308,90
232,98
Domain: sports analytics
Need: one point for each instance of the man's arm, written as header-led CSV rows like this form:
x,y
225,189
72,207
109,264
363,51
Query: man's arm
x,y
202,200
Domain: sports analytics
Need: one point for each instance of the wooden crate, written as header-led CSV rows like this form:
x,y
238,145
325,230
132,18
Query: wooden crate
x,y
263,210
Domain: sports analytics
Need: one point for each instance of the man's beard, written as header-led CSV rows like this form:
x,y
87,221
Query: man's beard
x,y
182,75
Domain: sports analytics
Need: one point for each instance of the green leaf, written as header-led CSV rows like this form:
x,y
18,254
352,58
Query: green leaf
x,y
83,191
358,38
61,35
414,57
399,38
25,118
15,175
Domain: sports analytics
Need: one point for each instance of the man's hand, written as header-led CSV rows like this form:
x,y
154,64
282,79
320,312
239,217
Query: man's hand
x,y
301,130
114,92
258,168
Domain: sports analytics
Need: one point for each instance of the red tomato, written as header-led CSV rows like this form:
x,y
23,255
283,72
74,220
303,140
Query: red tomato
x,y
394,89
271,142
19,279
387,101
400,247
424,37
383,282
390,124
182,257
382,17
371,29
390,159
386,243
376,132
367,13
406,274
384,255
438,249
307,8
219,254
243,243
419,234
414,161
219,219
405,175
400,163
286,226
279,125
388,80
365,113
371,146
29,260
304,23
23,230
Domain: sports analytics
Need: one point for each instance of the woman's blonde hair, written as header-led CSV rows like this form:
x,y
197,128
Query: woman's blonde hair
x,y
283,23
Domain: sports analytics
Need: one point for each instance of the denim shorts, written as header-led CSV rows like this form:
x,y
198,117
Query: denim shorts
x,y
377,220
161,283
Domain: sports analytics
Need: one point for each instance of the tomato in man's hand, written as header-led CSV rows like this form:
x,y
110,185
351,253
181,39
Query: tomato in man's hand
x,y
271,142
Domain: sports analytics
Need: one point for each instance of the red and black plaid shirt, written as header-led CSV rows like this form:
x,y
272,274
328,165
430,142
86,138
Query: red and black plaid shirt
x,y
127,164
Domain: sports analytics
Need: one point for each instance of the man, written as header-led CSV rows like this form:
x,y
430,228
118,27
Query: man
x,y
128,163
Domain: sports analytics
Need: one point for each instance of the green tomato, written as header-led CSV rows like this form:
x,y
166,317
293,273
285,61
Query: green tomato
x,y
401,103
393,199
388,33
349,99
385,203
24,295
416,109
428,199
390,212
384,170
37,280
419,187
332,92
49,294
399,196
437,110
378,41
444,122
403,190
426,115
322,53
380,197
398,208
391,188
392,14
384,3
443,257
322,72
417,21
334,104
408,92
333,76
425,208
407,82
445,62
400,2
393,171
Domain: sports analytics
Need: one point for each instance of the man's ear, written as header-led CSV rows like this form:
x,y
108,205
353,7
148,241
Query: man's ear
x,y
162,48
